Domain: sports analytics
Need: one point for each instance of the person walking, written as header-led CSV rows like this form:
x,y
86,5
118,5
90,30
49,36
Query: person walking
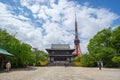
x,y
8,66
100,64
65,64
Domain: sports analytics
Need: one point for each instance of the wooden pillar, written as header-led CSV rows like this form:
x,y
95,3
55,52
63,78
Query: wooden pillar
x,y
3,58
2,64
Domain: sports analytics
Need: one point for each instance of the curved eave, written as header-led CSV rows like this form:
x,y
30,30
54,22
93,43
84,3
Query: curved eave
x,y
4,52
62,55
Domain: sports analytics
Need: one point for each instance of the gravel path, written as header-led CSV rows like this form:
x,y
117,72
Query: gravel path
x,y
61,73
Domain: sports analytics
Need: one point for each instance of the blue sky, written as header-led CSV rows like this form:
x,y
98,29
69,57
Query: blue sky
x,y
112,5
41,23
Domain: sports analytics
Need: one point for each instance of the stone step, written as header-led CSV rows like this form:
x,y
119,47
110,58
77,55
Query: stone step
x,y
59,64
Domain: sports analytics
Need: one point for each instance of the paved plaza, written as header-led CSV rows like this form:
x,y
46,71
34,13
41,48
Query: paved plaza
x,y
61,73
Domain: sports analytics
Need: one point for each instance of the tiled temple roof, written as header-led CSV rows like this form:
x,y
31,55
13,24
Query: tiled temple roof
x,y
60,46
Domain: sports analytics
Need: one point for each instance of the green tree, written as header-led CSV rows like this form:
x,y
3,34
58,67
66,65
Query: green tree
x,y
115,40
41,57
87,60
22,52
116,59
100,40
103,46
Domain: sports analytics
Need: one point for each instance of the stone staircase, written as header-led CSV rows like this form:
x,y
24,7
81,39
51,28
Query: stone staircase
x,y
59,63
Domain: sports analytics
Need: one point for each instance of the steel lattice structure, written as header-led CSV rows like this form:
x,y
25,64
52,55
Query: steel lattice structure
x,y
77,50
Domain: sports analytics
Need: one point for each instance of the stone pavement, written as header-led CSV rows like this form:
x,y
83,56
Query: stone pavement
x,y
61,73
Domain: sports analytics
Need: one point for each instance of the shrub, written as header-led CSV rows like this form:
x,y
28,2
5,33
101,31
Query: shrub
x,y
42,63
87,61
77,58
76,63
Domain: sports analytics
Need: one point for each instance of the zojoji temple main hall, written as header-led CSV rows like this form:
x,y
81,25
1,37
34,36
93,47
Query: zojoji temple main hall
x,y
62,53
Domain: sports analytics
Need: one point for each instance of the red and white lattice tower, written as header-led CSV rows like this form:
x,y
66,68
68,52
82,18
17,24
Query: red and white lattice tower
x,y
77,50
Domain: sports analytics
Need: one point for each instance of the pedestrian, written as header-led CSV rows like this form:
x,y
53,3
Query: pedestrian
x,y
65,64
8,66
100,64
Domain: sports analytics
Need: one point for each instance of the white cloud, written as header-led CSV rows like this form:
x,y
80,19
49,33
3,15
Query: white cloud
x,y
58,25
21,17
35,8
25,30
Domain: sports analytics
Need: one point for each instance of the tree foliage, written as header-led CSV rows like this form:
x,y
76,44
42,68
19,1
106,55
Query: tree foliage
x,y
41,57
115,40
105,45
116,59
23,53
87,60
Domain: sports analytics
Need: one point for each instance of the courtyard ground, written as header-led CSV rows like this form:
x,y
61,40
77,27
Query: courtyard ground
x,y
61,73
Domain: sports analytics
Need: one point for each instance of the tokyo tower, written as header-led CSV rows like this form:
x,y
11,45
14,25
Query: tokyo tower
x,y
77,50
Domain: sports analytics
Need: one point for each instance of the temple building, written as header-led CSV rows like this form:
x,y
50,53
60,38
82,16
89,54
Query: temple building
x,y
3,57
60,52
